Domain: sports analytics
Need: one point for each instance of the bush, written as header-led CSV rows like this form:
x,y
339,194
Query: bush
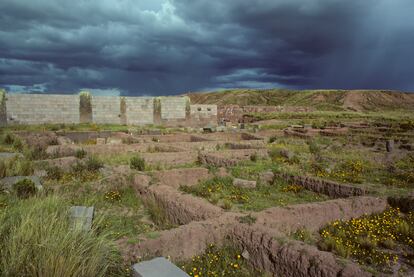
x,y
16,167
25,188
18,145
137,163
272,139
54,172
80,153
8,139
93,164
36,240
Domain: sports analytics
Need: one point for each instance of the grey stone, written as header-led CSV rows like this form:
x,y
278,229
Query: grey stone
x,y
244,183
245,254
81,217
10,155
286,154
100,141
8,182
389,144
266,177
154,132
158,267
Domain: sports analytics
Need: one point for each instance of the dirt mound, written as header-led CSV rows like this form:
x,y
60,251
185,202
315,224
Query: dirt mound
x,y
176,177
330,188
315,215
289,258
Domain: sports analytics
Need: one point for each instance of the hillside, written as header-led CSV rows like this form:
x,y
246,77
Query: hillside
x,y
327,100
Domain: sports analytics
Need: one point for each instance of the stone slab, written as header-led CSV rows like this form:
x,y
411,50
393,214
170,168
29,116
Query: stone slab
x,y
158,267
8,182
81,217
10,155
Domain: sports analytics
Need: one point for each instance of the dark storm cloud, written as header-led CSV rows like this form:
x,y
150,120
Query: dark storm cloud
x,y
164,47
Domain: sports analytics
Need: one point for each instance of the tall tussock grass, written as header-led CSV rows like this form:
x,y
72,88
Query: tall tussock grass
x,y
36,240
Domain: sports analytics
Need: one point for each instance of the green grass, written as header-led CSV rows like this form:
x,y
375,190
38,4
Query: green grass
x,y
221,191
36,240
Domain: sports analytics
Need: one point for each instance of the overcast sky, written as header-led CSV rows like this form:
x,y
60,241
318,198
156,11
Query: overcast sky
x,y
159,47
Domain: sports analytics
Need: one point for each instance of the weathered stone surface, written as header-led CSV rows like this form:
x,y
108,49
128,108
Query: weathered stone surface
x,y
10,155
8,182
266,177
38,108
100,141
81,217
389,145
158,267
244,183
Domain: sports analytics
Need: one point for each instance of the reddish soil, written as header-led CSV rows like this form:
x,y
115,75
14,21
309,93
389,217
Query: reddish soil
x,y
313,216
230,157
180,208
64,163
176,177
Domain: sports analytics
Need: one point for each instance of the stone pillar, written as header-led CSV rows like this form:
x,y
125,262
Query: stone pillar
x,y
85,107
3,111
123,115
389,145
157,111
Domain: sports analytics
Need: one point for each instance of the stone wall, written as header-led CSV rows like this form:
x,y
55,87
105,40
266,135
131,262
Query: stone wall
x,y
236,113
173,108
139,110
39,108
47,108
106,109
203,115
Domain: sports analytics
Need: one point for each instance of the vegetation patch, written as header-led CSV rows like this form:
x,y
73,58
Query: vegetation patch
x,y
221,191
225,261
24,235
379,240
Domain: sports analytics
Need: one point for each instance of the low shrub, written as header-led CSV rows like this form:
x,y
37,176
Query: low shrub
x,y
137,163
80,153
93,164
25,188
54,172
272,139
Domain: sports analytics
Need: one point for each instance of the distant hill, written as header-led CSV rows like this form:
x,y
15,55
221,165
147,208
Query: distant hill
x,y
327,100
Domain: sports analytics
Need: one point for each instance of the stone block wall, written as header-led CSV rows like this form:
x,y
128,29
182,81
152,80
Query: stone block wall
x,y
203,115
139,110
39,108
47,108
106,109
173,108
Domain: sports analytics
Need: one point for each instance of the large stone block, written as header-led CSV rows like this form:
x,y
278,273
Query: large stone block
x,y
158,267
81,217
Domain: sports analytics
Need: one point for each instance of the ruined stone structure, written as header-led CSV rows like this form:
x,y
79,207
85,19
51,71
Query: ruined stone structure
x,y
236,113
72,109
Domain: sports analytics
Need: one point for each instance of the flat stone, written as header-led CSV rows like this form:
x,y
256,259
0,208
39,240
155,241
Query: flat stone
x,y
100,141
10,155
244,183
8,182
81,217
158,267
266,177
